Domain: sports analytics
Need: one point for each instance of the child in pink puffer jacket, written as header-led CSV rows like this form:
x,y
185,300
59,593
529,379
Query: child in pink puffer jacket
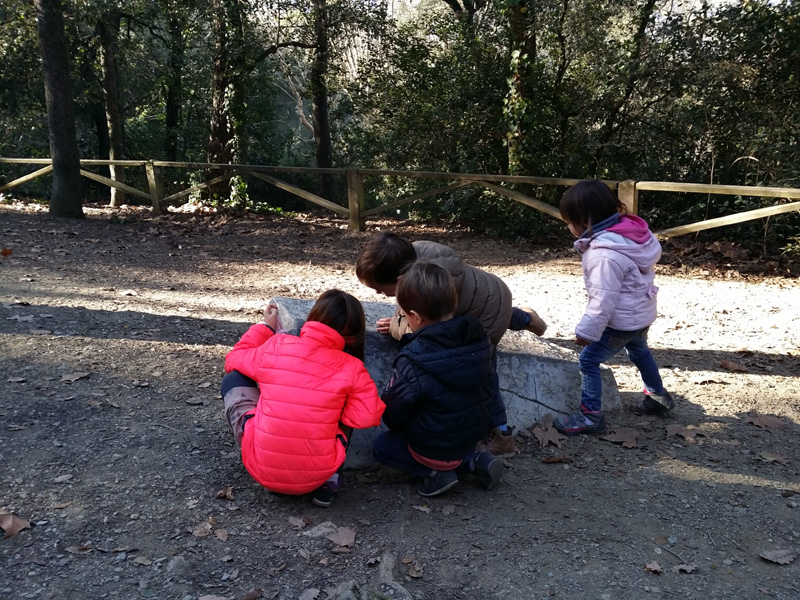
x,y
618,253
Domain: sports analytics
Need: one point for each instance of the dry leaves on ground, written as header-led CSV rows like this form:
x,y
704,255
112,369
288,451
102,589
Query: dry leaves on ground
x,y
545,432
764,421
12,524
225,493
654,567
688,432
782,557
626,436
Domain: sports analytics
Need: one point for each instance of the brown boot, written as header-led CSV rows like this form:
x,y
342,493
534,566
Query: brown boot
x,y
498,443
537,325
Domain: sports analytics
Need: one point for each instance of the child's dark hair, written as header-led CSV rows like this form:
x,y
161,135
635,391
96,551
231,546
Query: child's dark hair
x,y
344,313
589,202
427,289
383,258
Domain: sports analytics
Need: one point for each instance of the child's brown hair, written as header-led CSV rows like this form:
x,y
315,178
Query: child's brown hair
x,y
384,258
429,290
344,313
589,202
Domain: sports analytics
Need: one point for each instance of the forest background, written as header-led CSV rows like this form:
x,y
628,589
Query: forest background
x,y
689,91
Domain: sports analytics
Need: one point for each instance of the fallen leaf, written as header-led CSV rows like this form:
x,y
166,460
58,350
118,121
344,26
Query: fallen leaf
x,y
424,509
685,568
6,252
550,460
732,366
221,534
625,435
343,536
203,530
407,560
12,524
225,493
143,560
253,594
654,567
297,522
195,401
375,560
415,570
73,377
63,478
341,550
79,549
309,594
782,557
687,431
545,433
129,293
764,421
706,379
777,458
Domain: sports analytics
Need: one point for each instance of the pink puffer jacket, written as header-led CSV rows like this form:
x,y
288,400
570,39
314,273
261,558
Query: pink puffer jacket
x,y
308,384
618,270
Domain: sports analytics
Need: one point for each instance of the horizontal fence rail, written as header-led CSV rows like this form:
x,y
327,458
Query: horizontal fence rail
x,y
627,191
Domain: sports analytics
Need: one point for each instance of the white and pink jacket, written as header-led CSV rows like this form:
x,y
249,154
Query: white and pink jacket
x,y
618,270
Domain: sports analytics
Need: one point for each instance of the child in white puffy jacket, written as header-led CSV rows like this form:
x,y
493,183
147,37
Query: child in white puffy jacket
x,y
618,254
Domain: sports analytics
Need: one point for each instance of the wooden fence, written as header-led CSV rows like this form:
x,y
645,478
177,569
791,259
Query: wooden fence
x,y
356,213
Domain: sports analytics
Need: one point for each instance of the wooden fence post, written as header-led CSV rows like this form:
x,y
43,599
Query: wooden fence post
x,y
155,181
629,196
355,199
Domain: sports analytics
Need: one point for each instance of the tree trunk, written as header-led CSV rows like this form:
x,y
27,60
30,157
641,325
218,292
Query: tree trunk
x,y
108,29
174,86
67,195
522,34
319,98
220,141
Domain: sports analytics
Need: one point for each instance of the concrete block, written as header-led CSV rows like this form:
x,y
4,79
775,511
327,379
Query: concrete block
x,y
536,376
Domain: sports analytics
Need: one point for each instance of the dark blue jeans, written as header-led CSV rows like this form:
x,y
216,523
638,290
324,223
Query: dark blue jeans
x,y
613,340
390,448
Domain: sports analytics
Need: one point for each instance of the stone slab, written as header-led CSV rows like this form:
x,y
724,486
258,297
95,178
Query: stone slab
x,y
536,377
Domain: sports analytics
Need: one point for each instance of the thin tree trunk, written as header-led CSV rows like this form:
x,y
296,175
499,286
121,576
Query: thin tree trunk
x,y
522,34
67,195
108,29
220,141
174,86
319,98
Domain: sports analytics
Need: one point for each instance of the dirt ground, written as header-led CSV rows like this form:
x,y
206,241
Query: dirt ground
x,y
114,448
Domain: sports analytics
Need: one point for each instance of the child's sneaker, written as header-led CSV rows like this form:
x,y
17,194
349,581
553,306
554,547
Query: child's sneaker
x,y
488,470
537,324
664,398
648,406
437,483
581,422
325,494
499,443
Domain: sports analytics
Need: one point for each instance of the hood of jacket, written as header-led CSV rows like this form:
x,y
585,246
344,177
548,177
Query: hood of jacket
x,y
630,237
454,351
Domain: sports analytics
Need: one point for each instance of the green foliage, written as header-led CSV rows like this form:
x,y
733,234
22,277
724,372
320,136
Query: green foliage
x,y
588,88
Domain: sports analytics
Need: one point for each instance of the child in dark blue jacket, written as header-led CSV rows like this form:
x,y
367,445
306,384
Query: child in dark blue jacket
x,y
438,401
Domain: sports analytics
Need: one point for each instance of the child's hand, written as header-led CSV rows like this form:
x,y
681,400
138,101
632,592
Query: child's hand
x,y
581,342
270,316
384,325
